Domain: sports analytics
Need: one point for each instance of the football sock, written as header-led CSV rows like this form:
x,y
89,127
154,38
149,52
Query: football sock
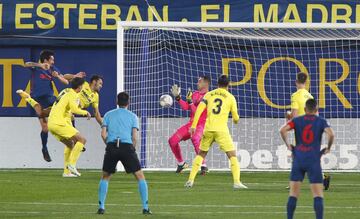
x,y
67,152
195,167
44,138
235,169
103,188
319,207
291,205
75,153
31,101
143,190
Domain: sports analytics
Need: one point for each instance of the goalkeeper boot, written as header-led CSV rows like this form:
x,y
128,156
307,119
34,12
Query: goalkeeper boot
x,y
100,211
239,186
180,168
189,184
146,211
326,182
204,170
73,170
46,155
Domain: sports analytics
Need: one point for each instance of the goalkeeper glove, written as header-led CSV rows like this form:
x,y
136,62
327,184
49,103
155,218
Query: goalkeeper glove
x,y
189,96
175,90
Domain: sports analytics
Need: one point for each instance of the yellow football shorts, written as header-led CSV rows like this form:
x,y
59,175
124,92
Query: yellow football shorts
x,y
61,132
223,139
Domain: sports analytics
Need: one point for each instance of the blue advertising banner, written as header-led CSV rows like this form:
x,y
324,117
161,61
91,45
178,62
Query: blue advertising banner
x,y
83,19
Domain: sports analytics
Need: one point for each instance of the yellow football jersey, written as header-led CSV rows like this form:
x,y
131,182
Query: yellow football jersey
x,y
298,100
66,103
219,103
88,97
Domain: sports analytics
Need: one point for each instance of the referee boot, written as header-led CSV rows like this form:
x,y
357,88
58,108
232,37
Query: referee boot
x,y
100,211
147,211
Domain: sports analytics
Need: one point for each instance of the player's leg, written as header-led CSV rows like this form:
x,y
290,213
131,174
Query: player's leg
x,y
69,144
226,144
76,151
32,102
316,184
196,139
205,144
44,139
182,134
293,196
297,175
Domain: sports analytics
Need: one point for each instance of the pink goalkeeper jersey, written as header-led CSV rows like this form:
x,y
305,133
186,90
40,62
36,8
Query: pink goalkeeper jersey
x,y
196,99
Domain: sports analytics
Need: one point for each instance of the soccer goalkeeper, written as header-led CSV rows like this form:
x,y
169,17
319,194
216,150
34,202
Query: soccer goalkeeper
x,y
219,103
183,133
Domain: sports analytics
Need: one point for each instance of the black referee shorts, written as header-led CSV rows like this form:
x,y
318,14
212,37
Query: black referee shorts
x,y
125,153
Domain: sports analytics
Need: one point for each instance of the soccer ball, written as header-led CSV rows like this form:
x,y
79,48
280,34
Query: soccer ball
x,y
166,100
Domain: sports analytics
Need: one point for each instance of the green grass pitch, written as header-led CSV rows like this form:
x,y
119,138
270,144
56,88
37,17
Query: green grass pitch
x,y
45,194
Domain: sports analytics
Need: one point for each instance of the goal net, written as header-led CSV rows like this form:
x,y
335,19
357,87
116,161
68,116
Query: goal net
x,y
262,61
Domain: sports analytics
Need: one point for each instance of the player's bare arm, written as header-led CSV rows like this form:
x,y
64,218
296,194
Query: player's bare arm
x,y
69,77
98,116
284,136
44,66
330,134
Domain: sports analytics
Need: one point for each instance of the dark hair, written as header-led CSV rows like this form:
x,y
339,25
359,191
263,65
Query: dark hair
x,y
123,99
301,77
206,78
95,78
223,81
77,82
45,55
311,105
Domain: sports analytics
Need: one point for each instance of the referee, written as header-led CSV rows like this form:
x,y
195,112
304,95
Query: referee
x,y
119,132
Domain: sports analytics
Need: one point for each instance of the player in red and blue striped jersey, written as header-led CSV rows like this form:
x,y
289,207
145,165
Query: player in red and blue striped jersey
x,y
42,92
307,155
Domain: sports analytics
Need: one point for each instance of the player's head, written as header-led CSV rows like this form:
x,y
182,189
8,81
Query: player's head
x,y
47,56
77,84
223,81
301,79
96,82
311,106
203,83
123,99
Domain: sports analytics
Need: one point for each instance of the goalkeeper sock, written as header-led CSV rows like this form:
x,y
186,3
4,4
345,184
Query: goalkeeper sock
x,y
75,153
291,206
44,138
319,207
67,152
195,167
103,188
235,169
143,190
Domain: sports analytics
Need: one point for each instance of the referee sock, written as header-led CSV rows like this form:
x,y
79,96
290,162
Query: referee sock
x,y
44,138
319,207
291,206
195,167
143,189
235,169
75,153
103,188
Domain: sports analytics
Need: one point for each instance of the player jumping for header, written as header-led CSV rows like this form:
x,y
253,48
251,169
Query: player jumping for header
x,y
43,75
183,133
307,155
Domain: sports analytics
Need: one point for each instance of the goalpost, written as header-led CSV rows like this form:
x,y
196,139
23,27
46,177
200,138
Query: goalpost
x,y
262,60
